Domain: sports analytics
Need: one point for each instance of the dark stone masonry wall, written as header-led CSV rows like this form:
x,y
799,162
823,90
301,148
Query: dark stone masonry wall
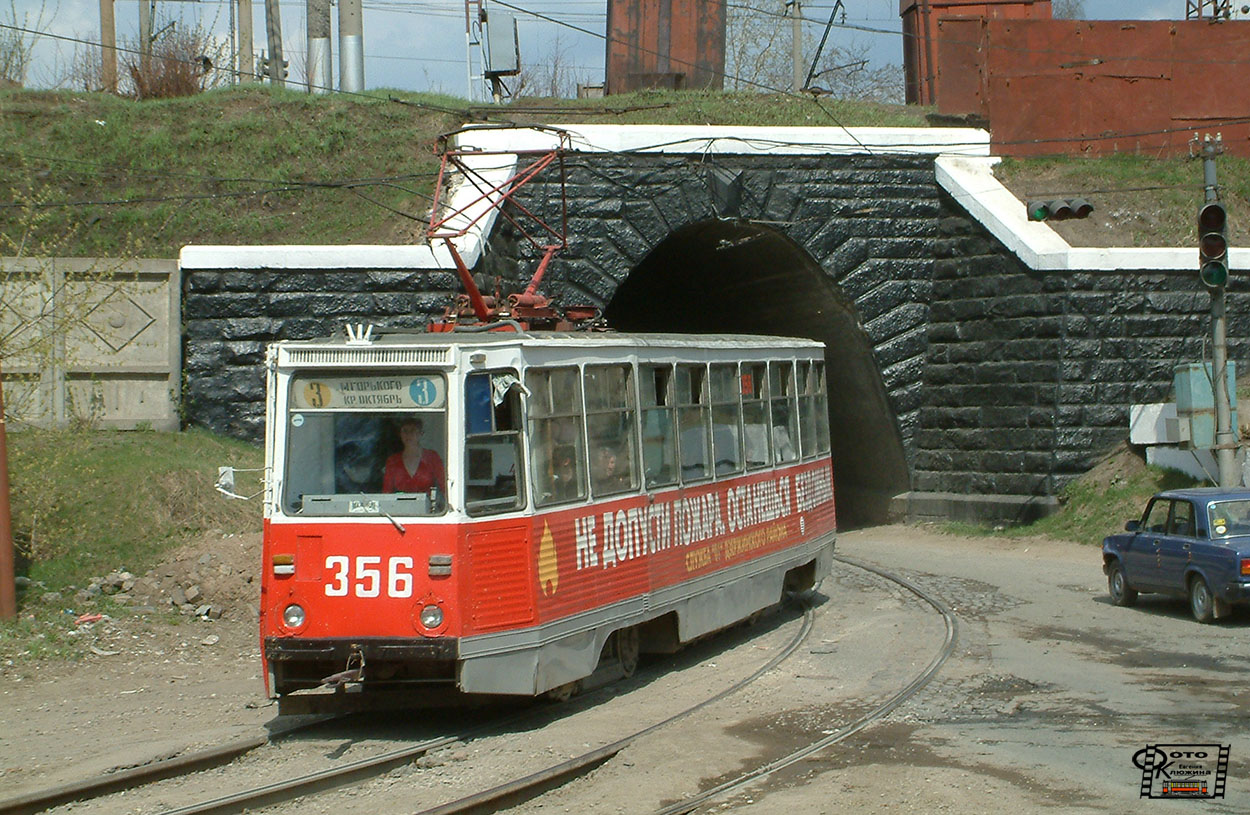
x,y
1030,375
994,379
230,317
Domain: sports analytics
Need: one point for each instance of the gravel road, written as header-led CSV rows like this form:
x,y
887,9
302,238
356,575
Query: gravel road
x,y
1049,695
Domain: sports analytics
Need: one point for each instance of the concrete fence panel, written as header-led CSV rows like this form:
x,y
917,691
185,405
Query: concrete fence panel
x,y
91,339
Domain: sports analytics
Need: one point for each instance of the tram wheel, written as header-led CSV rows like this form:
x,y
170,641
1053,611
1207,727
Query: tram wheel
x,y
627,650
563,693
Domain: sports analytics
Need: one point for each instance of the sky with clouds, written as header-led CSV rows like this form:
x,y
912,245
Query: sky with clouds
x,y
420,45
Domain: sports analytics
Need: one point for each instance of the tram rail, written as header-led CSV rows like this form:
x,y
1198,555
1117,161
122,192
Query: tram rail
x,y
364,769
513,792
520,790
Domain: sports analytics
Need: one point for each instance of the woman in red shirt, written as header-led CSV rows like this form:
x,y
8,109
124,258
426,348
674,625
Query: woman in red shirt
x,y
415,468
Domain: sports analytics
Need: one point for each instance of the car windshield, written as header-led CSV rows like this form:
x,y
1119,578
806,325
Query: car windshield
x,y
1229,518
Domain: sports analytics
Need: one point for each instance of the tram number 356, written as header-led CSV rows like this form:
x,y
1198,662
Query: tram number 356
x,y
367,580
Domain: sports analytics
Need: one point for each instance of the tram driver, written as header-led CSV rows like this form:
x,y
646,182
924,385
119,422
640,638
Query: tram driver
x,y
414,468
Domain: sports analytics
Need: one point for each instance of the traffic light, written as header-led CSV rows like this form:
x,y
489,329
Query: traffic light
x,y
1213,245
1059,210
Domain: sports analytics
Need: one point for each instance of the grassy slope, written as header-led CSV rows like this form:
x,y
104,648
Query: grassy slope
x,y
1138,200
257,166
88,502
254,166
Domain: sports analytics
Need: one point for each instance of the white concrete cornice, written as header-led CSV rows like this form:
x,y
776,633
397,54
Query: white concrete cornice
x,y
731,139
226,257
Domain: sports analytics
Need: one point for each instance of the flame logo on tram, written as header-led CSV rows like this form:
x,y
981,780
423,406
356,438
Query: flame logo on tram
x,y
548,568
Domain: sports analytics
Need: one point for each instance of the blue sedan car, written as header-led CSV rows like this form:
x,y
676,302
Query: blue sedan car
x,y
1192,543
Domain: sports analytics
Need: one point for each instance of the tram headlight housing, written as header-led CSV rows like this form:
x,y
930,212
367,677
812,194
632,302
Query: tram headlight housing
x,y
431,617
293,616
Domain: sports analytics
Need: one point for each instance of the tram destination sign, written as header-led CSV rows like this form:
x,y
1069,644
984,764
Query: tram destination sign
x,y
369,393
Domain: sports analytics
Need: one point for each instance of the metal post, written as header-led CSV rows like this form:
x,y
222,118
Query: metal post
x,y
1225,443
319,65
351,47
8,584
273,27
246,68
468,48
108,47
796,46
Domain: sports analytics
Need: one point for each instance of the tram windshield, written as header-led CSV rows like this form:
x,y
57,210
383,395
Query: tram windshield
x,y
366,445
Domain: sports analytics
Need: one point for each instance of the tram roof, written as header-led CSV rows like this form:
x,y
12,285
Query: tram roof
x,y
573,338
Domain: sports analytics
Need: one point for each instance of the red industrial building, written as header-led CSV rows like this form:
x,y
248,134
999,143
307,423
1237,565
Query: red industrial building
x,y
675,44
1076,86
921,33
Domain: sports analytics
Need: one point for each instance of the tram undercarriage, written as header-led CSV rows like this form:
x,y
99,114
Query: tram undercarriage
x,y
557,660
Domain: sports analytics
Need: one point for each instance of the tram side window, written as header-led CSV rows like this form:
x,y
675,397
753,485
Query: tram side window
x,y
784,408
492,445
755,435
726,418
558,455
611,431
693,423
821,398
813,409
659,429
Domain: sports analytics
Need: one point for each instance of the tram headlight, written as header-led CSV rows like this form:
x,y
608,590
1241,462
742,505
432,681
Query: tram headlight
x,y
293,615
431,617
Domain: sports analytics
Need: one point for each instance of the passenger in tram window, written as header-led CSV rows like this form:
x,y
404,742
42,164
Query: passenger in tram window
x,y
563,474
607,475
414,468
783,441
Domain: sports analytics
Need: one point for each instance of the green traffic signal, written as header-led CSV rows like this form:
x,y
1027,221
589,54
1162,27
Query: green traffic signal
x,y
1059,209
1213,274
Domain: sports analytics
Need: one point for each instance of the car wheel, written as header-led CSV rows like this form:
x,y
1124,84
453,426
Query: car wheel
x,y
1201,602
1122,594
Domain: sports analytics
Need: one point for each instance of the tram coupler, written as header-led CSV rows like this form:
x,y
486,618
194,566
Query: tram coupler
x,y
355,671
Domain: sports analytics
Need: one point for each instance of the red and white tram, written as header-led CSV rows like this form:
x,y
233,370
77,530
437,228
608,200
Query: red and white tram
x,y
494,512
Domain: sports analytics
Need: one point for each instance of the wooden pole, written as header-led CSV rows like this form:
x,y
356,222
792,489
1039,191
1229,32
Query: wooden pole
x,y
8,584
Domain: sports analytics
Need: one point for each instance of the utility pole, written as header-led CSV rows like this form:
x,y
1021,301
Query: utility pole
x,y
319,66
145,36
108,47
1213,270
246,69
796,45
273,28
351,47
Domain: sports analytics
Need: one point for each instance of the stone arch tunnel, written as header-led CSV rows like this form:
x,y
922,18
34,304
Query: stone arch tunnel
x,y
707,278
969,378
